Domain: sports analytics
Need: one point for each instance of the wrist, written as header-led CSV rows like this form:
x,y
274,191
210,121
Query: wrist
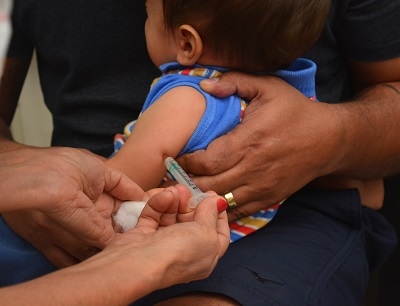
x,y
330,133
339,139
135,266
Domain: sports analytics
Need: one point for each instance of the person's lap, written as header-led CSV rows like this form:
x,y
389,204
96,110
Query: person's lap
x,y
318,250
19,260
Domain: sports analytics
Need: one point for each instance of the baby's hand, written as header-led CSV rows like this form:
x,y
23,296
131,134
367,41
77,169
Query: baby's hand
x,y
165,206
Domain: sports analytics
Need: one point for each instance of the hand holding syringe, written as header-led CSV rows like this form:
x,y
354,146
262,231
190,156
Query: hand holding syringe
x,y
183,178
128,214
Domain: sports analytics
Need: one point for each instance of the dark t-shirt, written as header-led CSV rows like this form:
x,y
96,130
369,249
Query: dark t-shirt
x,y
362,30
94,68
95,71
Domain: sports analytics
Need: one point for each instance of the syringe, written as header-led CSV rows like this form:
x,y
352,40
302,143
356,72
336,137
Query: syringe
x,y
183,178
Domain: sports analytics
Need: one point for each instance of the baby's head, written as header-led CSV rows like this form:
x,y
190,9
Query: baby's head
x,y
250,35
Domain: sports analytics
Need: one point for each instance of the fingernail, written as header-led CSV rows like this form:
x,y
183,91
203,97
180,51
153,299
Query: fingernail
x,y
211,81
221,205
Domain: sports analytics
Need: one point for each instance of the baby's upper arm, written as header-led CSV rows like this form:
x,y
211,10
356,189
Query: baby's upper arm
x,y
162,130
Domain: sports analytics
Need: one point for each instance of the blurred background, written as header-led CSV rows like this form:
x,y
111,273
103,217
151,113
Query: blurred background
x,y
32,123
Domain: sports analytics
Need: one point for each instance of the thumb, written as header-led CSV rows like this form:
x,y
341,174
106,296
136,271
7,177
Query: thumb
x,y
210,209
121,187
219,87
244,85
215,223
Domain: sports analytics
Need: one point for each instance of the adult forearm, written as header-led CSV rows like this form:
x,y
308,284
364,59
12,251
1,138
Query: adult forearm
x,y
371,134
129,268
5,131
99,282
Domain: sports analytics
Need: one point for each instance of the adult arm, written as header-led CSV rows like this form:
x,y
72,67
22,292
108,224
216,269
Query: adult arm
x,y
131,266
61,246
12,80
285,140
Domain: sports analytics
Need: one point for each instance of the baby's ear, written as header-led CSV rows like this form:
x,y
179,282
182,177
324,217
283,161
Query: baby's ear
x,y
190,45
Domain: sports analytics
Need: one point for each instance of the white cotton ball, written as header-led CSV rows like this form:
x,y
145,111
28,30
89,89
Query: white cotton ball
x,y
128,214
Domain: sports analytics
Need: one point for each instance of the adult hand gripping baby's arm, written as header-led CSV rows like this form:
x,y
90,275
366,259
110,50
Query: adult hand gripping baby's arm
x,y
284,141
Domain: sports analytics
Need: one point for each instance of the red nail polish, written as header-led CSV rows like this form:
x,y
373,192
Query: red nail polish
x,y
221,205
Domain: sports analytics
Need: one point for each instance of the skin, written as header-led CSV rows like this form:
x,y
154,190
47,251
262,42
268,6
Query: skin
x,y
130,266
61,248
357,140
71,193
167,125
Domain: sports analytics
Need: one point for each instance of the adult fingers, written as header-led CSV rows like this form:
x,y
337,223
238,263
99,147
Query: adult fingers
x,y
224,86
244,85
213,222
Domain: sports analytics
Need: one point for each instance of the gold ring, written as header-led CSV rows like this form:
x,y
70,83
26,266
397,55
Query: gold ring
x,y
231,200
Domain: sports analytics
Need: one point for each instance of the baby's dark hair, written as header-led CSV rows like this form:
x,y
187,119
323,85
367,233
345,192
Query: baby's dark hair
x,y
251,35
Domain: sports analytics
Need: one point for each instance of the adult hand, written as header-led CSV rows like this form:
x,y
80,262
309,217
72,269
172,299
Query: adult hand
x,y
191,241
284,141
157,253
65,199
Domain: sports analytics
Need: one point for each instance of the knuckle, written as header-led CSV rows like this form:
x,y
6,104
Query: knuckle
x,y
209,166
204,186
